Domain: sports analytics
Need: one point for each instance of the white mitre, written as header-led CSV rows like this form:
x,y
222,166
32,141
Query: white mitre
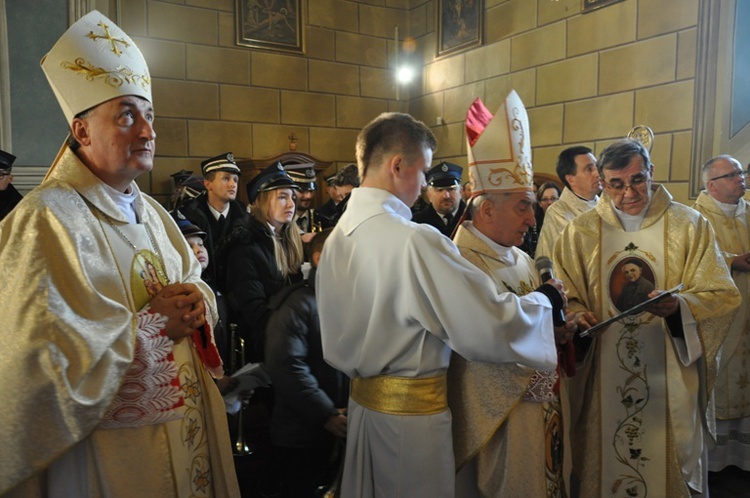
x,y
499,147
95,61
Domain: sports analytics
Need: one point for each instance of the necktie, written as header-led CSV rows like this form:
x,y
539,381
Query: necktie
x,y
448,217
302,223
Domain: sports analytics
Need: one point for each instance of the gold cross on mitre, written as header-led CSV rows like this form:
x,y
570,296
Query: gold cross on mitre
x,y
107,36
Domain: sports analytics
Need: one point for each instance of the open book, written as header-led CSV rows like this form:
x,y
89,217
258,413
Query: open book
x,y
634,310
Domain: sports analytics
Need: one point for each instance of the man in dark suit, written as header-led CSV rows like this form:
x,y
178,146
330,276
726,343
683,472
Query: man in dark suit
x,y
216,211
329,208
304,176
346,180
444,194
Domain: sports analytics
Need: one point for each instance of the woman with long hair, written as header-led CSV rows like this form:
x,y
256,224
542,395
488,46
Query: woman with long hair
x,y
263,255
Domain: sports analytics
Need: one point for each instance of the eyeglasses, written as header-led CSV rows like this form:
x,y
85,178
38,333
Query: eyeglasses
x,y
619,186
731,176
3,175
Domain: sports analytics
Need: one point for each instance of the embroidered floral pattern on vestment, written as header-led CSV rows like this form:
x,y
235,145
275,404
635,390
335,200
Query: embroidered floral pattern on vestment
x,y
150,393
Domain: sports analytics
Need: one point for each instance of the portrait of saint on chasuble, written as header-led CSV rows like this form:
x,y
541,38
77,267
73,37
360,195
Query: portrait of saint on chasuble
x,y
147,277
631,281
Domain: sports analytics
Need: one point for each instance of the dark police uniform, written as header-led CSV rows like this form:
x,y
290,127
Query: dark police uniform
x,y
442,175
217,231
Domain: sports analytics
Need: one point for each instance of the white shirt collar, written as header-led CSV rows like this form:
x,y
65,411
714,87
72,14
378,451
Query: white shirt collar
x,y
730,210
504,254
216,213
631,222
366,202
590,203
125,201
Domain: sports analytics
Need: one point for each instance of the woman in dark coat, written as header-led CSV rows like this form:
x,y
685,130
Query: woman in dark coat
x,y
264,254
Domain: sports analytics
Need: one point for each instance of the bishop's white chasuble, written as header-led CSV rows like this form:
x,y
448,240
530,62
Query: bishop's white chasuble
x,y
640,403
634,394
142,269
507,419
121,398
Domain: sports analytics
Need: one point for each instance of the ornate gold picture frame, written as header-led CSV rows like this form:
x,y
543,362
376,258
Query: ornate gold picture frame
x,y
270,24
459,25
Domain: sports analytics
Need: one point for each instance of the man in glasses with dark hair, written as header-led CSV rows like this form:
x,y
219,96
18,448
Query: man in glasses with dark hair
x,y
639,417
723,205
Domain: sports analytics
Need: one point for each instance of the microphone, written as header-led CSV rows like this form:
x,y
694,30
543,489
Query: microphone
x,y
544,267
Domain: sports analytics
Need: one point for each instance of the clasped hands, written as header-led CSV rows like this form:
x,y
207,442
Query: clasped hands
x,y
184,308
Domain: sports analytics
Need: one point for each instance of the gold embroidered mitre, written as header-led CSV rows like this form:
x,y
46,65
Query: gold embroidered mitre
x,y
499,147
95,61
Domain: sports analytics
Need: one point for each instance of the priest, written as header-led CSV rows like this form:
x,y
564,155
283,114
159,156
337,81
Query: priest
x,y
641,411
722,203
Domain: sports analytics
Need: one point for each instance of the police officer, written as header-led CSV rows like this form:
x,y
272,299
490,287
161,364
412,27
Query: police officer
x,y
216,211
444,194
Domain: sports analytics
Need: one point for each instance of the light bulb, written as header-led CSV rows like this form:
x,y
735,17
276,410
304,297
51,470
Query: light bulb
x,y
404,74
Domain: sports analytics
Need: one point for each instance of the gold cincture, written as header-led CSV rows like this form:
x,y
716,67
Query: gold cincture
x,y
401,395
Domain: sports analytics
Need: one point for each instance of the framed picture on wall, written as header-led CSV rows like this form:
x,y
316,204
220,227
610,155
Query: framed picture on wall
x,y
459,25
270,24
595,4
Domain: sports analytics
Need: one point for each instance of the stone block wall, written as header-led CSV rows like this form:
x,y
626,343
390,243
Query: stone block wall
x,y
212,95
585,78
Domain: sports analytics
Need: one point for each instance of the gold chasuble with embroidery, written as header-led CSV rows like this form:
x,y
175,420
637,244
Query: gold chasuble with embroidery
x,y
732,391
101,402
506,417
639,405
